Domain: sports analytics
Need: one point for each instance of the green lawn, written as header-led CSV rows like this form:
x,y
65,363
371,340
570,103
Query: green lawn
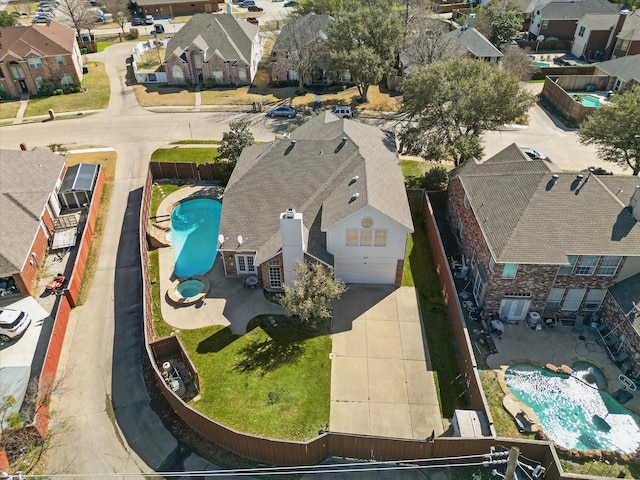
x,y
420,272
96,97
198,155
195,142
159,193
102,45
417,168
272,382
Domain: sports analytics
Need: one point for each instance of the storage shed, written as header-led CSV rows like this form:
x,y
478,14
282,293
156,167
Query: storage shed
x,y
77,186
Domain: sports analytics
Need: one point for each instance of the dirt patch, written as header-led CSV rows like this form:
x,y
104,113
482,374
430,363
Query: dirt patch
x,y
156,96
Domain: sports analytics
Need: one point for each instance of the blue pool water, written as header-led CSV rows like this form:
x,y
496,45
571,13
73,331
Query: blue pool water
x,y
194,235
587,100
573,413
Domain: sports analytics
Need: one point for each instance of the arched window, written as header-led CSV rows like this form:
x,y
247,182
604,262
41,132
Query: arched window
x,y
66,80
177,74
43,84
3,92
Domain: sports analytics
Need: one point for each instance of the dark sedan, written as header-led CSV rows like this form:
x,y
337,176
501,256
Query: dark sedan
x,y
255,8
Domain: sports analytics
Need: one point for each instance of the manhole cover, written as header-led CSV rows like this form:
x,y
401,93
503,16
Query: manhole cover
x,y
581,337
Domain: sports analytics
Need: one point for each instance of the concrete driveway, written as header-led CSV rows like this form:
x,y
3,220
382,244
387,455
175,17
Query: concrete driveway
x,y
381,380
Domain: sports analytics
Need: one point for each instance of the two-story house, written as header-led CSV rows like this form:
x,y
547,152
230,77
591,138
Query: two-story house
x,y
213,47
627,40
332,193
38,58
557,19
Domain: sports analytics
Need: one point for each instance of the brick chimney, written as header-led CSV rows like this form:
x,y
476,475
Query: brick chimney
x,y
611,43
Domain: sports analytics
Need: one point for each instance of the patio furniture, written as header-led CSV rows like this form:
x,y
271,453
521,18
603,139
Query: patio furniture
x,y
620,357
579,326
251,281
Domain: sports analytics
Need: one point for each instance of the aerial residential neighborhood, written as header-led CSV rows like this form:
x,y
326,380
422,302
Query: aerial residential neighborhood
x,y
320,239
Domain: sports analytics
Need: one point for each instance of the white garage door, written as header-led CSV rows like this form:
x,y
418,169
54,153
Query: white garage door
x,y
366,271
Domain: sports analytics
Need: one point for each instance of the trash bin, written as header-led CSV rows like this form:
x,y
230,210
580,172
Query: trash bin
x,y
84,51
85,69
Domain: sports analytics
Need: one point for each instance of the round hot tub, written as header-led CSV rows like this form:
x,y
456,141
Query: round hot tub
x,y
188,290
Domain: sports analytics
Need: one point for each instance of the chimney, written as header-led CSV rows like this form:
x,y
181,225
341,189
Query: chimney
x,y
611,42
292,234
23,147
635,203
471,21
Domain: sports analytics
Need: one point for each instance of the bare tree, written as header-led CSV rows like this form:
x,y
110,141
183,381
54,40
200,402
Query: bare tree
x,y
119,9
517,61
430,43
79,14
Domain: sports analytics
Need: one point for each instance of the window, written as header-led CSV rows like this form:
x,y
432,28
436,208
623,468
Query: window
x,y
245,264
587,265
460,230
42,84
545,24
66,80
275,278
380,238
568,269
352,237
242,74
218,76
474,259
177,74
581,31
16,71
609,265
60,60
492,264
594,299
365,237
509,270
573,299
465,201
554,299
34,63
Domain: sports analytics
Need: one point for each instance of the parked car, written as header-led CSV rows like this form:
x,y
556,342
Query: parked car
x,y
343,112
533,154
255,8
40,19
13,323
247,3
290,3
282,111
253,20
159,28
148,20
137,21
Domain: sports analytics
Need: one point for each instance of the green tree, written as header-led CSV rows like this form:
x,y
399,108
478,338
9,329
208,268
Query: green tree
x,y
314,290
233,141
330,7
615,131
366,41
449,104
505,19
7,19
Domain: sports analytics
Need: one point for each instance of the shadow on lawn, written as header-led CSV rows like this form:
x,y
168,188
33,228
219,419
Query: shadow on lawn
x,y
267,355
217,342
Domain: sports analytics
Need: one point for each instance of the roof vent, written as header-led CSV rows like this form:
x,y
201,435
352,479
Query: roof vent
x,y
555,177
290,213
552,181
344,139
293,142
354,197
354,179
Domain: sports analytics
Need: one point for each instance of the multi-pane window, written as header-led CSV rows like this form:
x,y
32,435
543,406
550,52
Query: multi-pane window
x,y
465,201
545,24
568,269
509,270
581,31
352,237
587,265
16,72
34,63
275,278
380,238
366,237
554,299
594,299
245,264
492,264
573,299
460,230
60,60
609,265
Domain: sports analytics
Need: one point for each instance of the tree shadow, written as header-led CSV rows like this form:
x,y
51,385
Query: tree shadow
x,y
217,342
268,355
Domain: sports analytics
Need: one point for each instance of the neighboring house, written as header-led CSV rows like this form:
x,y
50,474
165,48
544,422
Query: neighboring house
x,y
303,44
218,48
332,193
475,43
628,39
557,20
37,58
623,72
174,8
29,204
540,241
594,34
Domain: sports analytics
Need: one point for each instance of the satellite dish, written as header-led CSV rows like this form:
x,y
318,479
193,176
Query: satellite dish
x,y
221,239
240,239
540,38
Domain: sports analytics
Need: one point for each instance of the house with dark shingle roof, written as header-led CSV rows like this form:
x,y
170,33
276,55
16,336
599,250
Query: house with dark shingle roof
x,y
218,48
557,19
475,43
37,58
623,72
539,240
175,8
628,38
28,204
594,37
332,193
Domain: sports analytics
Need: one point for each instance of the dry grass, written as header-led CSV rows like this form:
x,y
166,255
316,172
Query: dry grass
x,y
151,59
9,109
155,96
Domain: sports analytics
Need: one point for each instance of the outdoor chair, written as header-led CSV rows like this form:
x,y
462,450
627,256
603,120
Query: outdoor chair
x,y
579,326
620,357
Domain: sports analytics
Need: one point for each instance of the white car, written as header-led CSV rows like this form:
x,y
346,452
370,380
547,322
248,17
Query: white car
x,y
533,154
343,112
13,323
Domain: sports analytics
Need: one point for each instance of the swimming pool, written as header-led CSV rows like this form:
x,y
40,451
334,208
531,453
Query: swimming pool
x,y
572,413
541,64
587,100
194,232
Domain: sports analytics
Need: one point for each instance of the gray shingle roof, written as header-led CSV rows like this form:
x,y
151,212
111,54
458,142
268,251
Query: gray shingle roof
x,y
525,217
563,10
627,295
597,22
223,33
313,176
475,42
26,182
631,27
625,68
302,31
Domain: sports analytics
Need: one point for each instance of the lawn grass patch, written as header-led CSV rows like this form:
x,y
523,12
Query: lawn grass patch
x,y
159,193
95,97
102,45
108,162
160,327
187,155
9,109
195,142
272,382
417,168
420,272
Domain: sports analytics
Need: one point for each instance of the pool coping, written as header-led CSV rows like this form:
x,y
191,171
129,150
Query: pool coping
x,y
178,300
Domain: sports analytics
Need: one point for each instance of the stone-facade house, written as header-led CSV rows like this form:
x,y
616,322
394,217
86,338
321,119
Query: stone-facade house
x,y
331,193
217,48
537,240
303,44
37,58
557,19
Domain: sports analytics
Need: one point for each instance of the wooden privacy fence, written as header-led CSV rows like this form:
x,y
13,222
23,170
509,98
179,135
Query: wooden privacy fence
x,y
205,172
555,91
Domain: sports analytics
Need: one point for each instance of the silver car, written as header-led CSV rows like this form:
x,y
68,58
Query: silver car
x,y
282,111
13,323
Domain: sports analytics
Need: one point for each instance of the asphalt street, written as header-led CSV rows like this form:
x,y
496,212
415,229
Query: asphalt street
x,y
101,361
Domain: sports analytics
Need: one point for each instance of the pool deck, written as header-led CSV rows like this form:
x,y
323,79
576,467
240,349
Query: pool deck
x,y
558,346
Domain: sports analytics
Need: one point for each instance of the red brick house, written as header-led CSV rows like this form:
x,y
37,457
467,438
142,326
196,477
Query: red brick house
x,y
628,38
174,8
557,20
38,57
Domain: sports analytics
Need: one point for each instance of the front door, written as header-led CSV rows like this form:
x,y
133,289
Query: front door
x,y
244,264
23,86
514,308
